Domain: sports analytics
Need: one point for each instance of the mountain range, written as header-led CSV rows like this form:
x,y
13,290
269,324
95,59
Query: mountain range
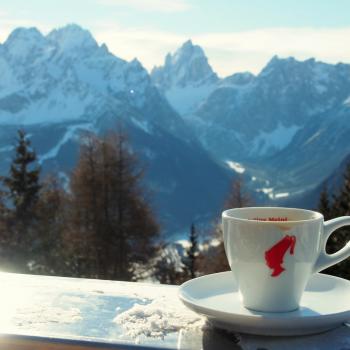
x,y
284,130
287,127
58,85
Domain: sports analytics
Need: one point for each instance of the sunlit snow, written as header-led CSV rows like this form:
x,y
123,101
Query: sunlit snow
x,y
143,125
186,99
158,318
271,194
281,195
66,137
237,167
278,138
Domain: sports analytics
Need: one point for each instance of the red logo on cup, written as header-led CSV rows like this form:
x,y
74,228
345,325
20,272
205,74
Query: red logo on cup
x,y
274,256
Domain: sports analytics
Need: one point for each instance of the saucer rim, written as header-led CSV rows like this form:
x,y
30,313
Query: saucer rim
x,y
260,316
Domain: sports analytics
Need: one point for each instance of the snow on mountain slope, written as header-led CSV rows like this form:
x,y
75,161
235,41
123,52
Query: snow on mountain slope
x,y
61,85
280,125
67,136
63,76
287,98
276,140
186,78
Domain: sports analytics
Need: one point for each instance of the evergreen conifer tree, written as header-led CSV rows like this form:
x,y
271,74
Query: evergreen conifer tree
x,y
22,182
337,240
3,220
325,205
48,254
215,259
192,252
342,199
22,192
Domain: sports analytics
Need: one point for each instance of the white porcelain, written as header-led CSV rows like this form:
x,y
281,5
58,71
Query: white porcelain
x,y
273,252
325,305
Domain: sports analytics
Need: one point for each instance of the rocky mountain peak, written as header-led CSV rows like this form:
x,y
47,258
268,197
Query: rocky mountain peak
x,y
188,66
72,37
23,41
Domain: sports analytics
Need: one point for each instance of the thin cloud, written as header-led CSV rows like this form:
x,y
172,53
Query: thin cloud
x,y
230,52
150,5
8,24
227,52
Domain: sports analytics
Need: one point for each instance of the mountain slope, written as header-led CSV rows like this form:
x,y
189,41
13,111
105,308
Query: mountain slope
x,y
288,125
186,78
60,85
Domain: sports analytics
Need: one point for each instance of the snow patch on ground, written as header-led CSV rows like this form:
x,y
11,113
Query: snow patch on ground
x,y
55,108
47,314
266,190
158,318
66,137
313,137
278,139
281,195
272,195
347,102
237,167
143,125
184,243
186,99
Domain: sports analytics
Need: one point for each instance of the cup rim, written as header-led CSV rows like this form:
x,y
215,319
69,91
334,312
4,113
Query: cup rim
x,y
227,214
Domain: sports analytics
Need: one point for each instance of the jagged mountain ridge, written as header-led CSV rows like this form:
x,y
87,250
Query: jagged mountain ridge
x,y
285,121
60,85
186,77
281,124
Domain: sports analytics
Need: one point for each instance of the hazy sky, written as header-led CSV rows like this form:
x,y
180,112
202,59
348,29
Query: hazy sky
x,y
237,35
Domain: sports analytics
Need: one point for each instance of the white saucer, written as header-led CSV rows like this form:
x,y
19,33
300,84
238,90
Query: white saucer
x,y
325,305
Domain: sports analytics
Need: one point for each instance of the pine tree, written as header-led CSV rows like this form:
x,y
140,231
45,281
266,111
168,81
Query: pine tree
x,y
340,207
192,253
23,180
22,190
324,205
215,258
342,199
48,253
112,223
4,214
238,196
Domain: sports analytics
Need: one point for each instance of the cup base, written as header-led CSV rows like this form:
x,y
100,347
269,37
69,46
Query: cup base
x,y
272,311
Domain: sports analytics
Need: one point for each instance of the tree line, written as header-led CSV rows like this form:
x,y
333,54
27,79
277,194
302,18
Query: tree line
x,y
102,225
332,206
212,258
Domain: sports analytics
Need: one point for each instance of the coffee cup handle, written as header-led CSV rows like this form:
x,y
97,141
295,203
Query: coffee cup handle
x,y
325,260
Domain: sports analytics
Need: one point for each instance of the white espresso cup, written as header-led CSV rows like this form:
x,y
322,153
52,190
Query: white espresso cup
x,y
274,251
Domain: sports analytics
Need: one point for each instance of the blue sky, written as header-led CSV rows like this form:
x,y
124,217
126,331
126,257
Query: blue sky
x,y
236,35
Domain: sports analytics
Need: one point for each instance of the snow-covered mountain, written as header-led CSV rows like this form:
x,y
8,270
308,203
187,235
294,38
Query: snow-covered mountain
x,y
186,78
288,125
58,85
285,129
